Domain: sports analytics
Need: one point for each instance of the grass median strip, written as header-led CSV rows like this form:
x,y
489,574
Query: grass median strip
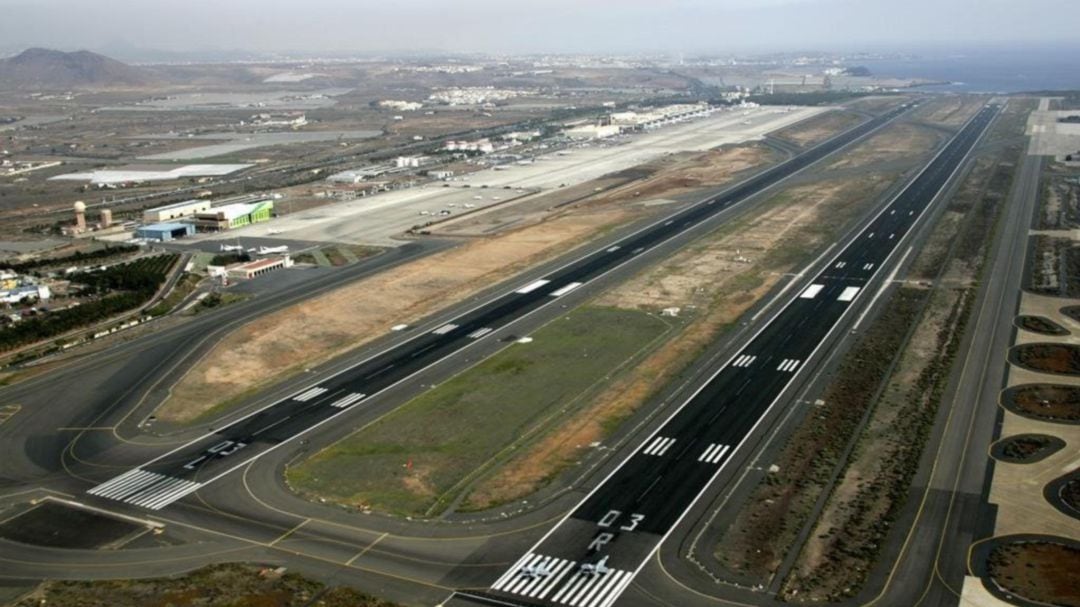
x,y
414,461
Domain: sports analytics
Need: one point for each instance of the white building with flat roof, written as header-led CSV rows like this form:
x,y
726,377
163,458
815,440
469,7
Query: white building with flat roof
x,y
176,210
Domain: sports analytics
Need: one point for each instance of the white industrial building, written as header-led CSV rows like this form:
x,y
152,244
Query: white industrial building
x,y
176,210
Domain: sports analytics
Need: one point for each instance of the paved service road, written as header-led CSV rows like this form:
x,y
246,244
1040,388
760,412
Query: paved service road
x,y
180,472
594,553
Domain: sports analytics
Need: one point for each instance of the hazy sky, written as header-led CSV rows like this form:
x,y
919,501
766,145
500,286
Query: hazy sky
x,y
534,25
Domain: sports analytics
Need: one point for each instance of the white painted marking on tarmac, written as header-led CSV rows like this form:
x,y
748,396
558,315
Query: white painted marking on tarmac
x,y
788,364
477,334
399,327
849,293
349,400
713,453
744,361
309,394
613,249
566,289
811,291
659,446
146,489
443,330
870,235
532,286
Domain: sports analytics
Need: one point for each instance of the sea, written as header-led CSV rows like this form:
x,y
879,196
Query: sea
x,y
988,70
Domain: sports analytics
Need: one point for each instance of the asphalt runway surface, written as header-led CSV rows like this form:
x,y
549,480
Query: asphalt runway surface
x,y
173,475
624,520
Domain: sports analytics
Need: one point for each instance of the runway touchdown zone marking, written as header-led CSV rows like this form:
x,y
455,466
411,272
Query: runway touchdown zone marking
x,y
744,361
564,290
309,394
145,489
532,286
351,399
788,365
849,294
575,587
477,334
443,330
714,453
659,446
811,291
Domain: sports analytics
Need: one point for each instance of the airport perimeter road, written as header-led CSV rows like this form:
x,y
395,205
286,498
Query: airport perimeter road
x,y
182,471
621,523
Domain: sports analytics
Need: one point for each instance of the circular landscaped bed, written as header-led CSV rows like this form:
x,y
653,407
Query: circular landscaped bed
x,y
1046,402
1026,448
1062,359
1064,493
1042,571
1072,312
1040,324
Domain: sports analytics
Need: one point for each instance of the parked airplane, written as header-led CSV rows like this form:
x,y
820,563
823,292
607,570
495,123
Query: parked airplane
x,y
228,248
273,250
598,568
272,232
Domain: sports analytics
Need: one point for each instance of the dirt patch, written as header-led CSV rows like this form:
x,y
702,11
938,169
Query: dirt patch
x,y
1062,359
1026,448
950,111
819,128
1055,266
215,586
1037,571
902,142
57,526
1059,203
1041,325
1046,402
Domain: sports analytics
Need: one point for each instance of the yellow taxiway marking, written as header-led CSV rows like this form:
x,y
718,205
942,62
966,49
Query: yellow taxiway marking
x,y
366,548
8,411
290,531
84,428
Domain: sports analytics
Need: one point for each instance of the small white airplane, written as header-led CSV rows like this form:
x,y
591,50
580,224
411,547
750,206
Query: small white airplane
x,y
273,250
228,247
598,568
535,571
272,232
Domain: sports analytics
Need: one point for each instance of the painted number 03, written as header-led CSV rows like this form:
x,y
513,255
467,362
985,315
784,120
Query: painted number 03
x,y
613,515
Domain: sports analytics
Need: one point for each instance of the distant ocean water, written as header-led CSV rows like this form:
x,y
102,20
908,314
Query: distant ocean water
x,y
989,71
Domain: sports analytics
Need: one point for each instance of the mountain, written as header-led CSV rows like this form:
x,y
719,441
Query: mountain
x,y
39,68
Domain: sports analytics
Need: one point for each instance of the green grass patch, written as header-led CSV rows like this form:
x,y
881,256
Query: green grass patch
x,y
184,287
456,429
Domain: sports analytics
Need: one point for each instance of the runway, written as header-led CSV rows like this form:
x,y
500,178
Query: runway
x,y
157,483
629,514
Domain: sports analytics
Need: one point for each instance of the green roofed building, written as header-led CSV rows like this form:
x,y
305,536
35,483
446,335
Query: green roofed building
x,y
234,215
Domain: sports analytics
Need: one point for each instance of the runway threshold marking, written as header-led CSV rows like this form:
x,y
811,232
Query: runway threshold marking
x,y
144,488
535,576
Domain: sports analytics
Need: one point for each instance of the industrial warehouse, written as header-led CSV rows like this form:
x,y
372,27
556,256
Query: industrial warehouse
x,y
182,219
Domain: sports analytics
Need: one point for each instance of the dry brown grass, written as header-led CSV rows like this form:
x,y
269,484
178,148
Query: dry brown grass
x,y
903,141
328,325
819,128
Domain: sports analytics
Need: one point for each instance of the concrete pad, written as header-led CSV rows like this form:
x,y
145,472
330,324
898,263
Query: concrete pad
x,y
381,219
